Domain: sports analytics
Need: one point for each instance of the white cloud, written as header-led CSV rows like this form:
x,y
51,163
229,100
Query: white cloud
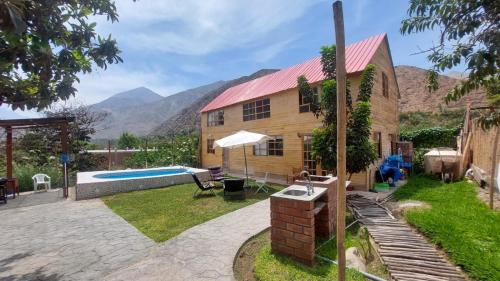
x,y
194,27
272,50
101,84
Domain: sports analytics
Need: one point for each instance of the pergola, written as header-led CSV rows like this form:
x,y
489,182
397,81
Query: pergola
x,y
56,122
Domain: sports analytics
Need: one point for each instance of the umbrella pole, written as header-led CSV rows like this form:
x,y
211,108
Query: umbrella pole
x,y
246,165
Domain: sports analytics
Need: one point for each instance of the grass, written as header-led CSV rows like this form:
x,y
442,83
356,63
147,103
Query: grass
x,y
458,222
271,267
166,212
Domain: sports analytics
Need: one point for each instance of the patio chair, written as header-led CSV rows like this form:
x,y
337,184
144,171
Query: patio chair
x,y
234,186
216,174
39,179
262,184
202,187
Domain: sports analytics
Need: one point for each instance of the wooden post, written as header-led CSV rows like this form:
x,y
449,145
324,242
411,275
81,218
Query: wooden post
x,y
65,150
341,135
8,152
109,155
493,167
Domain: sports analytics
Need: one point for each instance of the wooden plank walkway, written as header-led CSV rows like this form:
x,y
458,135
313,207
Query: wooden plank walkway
x,y
406,253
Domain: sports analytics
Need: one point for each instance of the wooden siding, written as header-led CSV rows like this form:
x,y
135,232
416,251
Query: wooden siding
x,y
286,121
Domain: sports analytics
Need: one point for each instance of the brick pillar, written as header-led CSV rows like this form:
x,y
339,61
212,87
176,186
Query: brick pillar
x,y
293,229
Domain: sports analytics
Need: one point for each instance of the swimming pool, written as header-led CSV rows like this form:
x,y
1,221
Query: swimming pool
x,y
141,173
101,183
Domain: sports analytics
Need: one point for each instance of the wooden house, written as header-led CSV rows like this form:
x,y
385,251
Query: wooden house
x,y
271,105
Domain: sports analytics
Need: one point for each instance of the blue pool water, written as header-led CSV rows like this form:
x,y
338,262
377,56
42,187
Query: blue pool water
x,y
141,174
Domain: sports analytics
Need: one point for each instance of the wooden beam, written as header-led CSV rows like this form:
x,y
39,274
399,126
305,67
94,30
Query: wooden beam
x,y
8,152
35,121
341,135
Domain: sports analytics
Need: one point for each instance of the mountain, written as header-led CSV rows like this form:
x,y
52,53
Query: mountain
x,y
138,111
416,97
188,119
135,96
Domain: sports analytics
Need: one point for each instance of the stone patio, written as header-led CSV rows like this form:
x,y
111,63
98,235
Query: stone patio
x,y
45,237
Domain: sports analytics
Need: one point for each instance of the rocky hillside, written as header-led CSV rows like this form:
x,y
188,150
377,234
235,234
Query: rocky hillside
x,y
139,112
188,119
415,96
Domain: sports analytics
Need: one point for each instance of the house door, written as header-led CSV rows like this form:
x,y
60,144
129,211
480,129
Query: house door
x,y
309,162
225,158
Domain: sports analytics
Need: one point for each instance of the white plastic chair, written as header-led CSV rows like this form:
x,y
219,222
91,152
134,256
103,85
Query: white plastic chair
x,y
261,184
41,179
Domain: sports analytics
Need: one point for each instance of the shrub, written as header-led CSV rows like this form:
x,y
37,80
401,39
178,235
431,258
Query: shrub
x,y
432,137
25,173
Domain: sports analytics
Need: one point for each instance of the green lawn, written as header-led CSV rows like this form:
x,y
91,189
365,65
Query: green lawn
x,y
458,222
271,267
166,212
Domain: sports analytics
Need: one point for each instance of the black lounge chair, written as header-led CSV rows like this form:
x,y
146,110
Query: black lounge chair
x,y
202,187
234,186
217,174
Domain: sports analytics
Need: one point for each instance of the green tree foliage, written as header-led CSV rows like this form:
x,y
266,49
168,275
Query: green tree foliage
x,y
128,141
179,150
360,151
470,35
45,44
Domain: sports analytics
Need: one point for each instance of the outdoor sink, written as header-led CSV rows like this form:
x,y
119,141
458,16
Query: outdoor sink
x,y
295,192
299,192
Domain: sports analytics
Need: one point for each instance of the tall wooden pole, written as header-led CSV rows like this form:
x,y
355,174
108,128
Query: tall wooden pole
x,y
65,151
109,154
341,135
493,167
8,152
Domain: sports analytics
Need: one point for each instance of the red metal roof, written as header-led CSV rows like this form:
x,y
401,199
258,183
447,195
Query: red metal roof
x,y
358,55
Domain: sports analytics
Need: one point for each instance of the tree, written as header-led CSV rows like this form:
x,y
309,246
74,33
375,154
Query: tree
x,y
469,35
40,144
45,44
360,151
128,140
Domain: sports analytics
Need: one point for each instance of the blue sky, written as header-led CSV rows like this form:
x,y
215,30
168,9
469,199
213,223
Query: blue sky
x,y
169,46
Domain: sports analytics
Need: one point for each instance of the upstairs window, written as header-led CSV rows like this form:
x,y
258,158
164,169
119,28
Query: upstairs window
x,y
210,146
216,118
304,104
385,85
258,109
272,147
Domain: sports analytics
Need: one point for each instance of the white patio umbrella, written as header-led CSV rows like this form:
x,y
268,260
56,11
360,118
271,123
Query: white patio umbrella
x,y
240,139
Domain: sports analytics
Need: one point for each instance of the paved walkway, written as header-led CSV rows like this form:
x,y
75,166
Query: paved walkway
x,y
204,252
46,238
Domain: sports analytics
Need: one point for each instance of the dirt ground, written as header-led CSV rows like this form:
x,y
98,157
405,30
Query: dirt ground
x,y
244,263
484,194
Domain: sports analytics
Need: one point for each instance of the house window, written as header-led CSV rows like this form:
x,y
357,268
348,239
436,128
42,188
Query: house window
x,y
309,161
385,85
210,146
272,147
258,109
304,104
216,118
377,141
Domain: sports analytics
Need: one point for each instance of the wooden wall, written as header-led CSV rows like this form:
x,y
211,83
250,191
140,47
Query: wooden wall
x,y
286,121
482,145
